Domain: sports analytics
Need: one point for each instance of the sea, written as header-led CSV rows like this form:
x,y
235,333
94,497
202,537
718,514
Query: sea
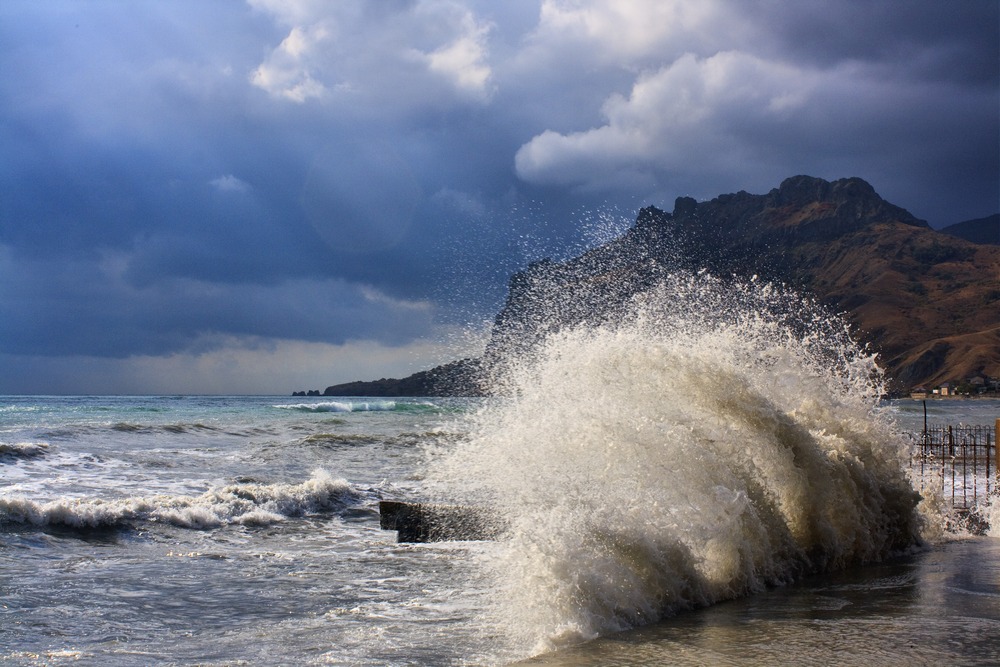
x,y
726,495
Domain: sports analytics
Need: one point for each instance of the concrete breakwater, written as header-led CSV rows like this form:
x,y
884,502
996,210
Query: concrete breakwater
x,y
433,522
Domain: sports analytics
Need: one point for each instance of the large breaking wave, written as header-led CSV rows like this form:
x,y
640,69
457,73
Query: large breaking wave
x,y
713,440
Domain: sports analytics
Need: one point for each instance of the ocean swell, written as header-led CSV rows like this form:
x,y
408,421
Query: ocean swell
x,y
244,504
712,441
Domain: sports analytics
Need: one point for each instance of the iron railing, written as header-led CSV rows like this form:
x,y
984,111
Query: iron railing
x,y
961,461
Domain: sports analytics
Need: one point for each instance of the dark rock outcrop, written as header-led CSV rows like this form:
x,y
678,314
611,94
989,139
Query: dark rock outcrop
x,y
458,378
427,522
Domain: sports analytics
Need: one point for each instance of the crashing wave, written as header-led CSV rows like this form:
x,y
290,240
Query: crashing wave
x,y
22,450
250,504
711,441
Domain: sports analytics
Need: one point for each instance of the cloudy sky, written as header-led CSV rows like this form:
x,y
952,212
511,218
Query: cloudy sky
x,y
262,196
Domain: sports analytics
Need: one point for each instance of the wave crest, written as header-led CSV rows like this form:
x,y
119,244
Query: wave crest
x,y
341,406
22,450
249,504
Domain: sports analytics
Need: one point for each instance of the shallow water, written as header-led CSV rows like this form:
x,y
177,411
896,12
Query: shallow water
x,y
938,607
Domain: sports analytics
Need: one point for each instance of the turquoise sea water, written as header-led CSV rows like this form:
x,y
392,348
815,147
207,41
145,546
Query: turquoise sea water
x,y
244,530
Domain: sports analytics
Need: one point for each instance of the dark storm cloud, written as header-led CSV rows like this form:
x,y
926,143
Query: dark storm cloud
x,y
927,40
177,176
907,99
86,308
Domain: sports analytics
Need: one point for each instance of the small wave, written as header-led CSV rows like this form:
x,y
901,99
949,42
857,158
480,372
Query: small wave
x,y
341,406
128,427
63,433
187,428
22,450
248,504
132,427
335,439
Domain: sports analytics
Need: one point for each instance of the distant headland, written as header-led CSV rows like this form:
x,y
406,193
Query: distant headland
x,y
928,302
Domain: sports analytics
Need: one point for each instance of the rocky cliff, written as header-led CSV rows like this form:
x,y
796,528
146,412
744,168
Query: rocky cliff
x,y
927,302
458,378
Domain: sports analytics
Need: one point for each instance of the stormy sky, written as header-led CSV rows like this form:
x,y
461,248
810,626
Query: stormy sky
x,y
272,195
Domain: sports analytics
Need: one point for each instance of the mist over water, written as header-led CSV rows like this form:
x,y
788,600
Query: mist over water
x,y
713,439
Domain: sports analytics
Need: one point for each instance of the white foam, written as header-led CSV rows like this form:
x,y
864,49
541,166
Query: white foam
x,y
341,406
711,442
989,511
246,504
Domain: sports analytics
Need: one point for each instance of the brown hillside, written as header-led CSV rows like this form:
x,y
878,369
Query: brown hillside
x,y
909,290
929,303
954,357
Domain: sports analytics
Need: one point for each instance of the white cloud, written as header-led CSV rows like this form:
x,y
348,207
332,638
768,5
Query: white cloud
x,y
375,296
631,33
297,12
689,115
464,60
229,183
378,53
286,72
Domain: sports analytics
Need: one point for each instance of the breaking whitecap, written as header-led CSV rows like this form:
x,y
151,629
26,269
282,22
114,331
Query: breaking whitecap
x,y
250,504
341,406
22,450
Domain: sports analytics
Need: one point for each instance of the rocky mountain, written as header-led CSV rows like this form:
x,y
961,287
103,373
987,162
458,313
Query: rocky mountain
x,y
927,302
980,230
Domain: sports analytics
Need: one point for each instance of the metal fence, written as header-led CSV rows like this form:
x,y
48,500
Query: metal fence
x,y
961,461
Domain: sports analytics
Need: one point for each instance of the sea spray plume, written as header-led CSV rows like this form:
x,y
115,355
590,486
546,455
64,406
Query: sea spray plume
x,y
991,515
708,441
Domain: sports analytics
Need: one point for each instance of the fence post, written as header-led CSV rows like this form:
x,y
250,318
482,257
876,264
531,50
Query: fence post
x,y
989,446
